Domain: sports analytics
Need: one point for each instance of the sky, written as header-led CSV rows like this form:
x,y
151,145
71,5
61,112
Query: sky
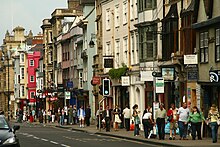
x,y
26,13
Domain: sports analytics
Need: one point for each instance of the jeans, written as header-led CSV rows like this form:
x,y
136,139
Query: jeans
x,y
127,124
107,123
136,129
87,118
70,119
147,127
182,129
196,127
214,128
161,127
62,120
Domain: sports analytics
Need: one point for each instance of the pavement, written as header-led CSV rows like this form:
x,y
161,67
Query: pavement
x,y
129,135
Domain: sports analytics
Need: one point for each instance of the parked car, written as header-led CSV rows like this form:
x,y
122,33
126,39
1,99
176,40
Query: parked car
x,y
7,134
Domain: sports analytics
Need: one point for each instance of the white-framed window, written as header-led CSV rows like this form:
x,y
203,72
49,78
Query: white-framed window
x,y
117,52
125,50
204,55
31,62
135,9
85,74
132,9
108,48
133,53
117,19
125,13
80,80
31,78
108,25
22,57
32,95
22,72
217,44
22,91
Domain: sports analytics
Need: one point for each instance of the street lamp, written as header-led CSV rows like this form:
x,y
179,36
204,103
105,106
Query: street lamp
x,y
91,42
7,57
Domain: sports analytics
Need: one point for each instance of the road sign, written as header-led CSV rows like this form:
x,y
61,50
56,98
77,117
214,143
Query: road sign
x,y
67,95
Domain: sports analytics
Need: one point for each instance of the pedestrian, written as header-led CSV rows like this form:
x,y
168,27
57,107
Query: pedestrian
x,y
147,121
49,115
136,120
127,116
117,120
88,115
213,117
107,116
183,115
81,116
45,116
195,118
62,117
74,114
58,115
53,115
70,113
33,114
172,118
160,116
99,117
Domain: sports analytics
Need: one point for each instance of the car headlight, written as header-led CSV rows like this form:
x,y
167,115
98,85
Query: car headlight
x,y
10,140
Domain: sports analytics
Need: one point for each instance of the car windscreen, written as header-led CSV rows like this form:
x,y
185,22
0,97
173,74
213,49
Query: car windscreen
x,y
3,124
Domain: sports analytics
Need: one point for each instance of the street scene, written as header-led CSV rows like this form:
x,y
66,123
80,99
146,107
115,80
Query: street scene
x,y
110,72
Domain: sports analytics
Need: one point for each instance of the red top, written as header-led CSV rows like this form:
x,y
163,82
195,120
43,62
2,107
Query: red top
x,y
169,113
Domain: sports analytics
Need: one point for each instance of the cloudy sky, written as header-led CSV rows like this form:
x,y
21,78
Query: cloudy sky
x,y
26,13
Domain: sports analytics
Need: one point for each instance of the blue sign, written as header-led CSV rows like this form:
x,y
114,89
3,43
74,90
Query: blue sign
x,y
69,84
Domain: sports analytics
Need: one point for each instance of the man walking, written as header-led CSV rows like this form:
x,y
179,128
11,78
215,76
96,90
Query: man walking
x,y
161,114
107,117
183,115
70,112
81,116
88,115
127,116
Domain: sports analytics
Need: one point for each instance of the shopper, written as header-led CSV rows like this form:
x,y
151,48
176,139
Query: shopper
x,y
117,119
196,118
81,116
136,120
147,121
127,116
160,116
107,117
172,118
213,117
88,115
183,115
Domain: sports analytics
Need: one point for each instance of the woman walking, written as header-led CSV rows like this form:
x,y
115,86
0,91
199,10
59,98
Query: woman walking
x,y
196,118
147,121
136,120
117,119
213,117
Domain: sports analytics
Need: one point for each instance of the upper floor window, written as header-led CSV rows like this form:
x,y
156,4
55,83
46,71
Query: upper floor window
x,y
204,55
117,20
125,12
107,19
146,5
22,57
22,73
217,44
22,91
32,79
31,62
32,94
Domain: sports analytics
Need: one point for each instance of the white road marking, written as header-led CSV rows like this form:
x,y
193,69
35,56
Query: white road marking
x,y
64,145
54,142
44,139
36,137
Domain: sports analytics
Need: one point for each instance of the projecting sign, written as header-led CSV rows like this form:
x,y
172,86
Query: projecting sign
x,y
159,85
214,76
125,81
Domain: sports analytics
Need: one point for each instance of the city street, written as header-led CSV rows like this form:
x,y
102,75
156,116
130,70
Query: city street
x,y
44,136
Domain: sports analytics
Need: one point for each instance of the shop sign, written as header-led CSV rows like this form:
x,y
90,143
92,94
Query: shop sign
x,y
190,59
159,85
70,84
214,76
67,95
125,81
95,80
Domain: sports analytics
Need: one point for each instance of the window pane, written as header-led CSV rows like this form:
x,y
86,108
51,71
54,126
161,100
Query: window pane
x,y
206,55
217,53
202,55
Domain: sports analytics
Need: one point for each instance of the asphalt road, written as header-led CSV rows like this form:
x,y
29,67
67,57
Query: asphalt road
x,y
43,136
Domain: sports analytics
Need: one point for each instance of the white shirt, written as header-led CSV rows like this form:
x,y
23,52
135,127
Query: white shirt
x,y
127,113
147,115
183,114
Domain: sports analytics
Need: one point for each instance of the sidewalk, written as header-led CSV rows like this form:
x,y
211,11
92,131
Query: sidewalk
x,y
129,135
123,134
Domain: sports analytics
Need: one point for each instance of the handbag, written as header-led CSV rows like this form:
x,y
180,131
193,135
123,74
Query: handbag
x,y
170,118
218,122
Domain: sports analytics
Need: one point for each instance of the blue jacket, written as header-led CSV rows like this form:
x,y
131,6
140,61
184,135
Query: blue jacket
x,y
78,112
